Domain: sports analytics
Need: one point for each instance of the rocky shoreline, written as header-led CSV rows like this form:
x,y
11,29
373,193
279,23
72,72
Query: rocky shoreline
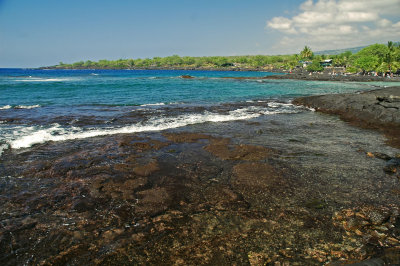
x,y
276,190
377,109
189,198
333,77
326,75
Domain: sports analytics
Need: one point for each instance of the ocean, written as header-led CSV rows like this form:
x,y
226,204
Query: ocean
x,y
37,106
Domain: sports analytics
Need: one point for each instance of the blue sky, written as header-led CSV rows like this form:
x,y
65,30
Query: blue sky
x,y
45,32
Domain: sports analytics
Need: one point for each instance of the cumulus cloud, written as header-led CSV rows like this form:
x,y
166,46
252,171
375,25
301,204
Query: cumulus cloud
x,y
328,24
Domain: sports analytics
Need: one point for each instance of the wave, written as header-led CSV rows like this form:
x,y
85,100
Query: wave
x,y
153,104
279,105
25,137
5,107
161,104
26,106
35,79
32,135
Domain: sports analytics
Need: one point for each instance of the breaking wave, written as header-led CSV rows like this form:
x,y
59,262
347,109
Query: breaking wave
x,y
24,137
26,106
35,79
153,104
6,107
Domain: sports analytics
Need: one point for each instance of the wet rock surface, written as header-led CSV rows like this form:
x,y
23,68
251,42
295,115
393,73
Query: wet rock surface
x,y
190,198
378,109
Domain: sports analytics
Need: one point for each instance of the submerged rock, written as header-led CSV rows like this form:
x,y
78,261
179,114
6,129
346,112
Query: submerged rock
x,y
224,150
187,77
152,201
147,169
204,200
393,166
185,137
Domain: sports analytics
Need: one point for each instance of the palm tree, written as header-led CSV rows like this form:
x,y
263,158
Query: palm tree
x,y
306,53
292,63
390,56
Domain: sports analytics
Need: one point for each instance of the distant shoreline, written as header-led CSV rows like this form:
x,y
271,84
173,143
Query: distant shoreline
x,y
297,74
175,68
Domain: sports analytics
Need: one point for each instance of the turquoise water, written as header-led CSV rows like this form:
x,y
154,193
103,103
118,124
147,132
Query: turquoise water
x,y
136,87
37,106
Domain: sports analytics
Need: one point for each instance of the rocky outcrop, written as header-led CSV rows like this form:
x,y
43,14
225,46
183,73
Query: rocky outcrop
x,y
378,109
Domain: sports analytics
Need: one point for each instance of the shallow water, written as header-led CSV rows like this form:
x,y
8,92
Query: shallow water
x,y
55,105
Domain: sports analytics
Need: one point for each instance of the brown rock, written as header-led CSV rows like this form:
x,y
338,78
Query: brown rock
x,y
147,169
153,201
187,77
222,149
254,176
185,137
82,205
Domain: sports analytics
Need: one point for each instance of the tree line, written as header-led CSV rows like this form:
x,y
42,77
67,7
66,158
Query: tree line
x,y
377,57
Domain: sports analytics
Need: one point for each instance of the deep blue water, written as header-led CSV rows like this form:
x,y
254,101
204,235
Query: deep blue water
x,y
42,105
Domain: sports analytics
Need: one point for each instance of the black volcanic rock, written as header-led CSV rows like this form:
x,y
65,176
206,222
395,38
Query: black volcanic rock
x,y
377,109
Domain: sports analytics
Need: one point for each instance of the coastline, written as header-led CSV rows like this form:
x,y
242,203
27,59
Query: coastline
x,y
296,74
295,187
330,77
378,109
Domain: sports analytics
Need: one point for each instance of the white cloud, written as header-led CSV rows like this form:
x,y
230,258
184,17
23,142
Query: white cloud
x,y
327,24
383,23
282,24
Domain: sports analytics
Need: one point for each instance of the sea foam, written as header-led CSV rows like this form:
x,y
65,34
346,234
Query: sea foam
x,y
34,79
26,106
5,107
153,104
29,136
25,137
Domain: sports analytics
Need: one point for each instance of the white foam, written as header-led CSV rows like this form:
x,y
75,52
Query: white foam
x,y
44,79
27,106
278,105
153,104
5,107
19,107
24,137
28,136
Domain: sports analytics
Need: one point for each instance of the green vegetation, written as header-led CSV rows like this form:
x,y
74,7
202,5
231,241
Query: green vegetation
x,y
315,66
186,62
306,53
378,57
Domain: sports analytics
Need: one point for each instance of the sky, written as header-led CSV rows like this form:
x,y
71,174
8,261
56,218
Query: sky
x,y
46,32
